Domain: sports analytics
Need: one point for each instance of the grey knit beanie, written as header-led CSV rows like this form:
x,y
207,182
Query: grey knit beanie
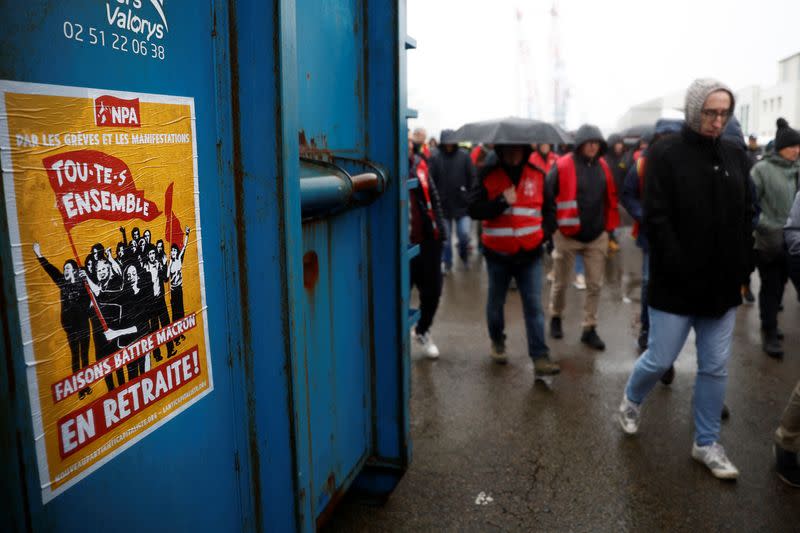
x,y
696,96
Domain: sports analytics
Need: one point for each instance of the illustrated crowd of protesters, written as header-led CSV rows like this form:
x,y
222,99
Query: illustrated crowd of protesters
x,y
128,289
708,209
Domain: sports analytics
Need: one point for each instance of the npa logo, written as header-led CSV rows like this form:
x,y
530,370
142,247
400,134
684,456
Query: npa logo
x,y
110,111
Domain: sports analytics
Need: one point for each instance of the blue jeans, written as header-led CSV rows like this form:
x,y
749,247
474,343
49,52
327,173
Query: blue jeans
x,y
462,226
529,284
668,333
579,268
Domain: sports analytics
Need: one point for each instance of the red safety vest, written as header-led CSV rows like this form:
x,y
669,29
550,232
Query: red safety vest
x,y
569,222
520,225
537,160
422,175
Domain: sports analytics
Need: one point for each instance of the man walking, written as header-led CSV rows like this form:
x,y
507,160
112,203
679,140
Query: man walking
x,y
454,174
581,203
698,217
508,199
775,179
425,224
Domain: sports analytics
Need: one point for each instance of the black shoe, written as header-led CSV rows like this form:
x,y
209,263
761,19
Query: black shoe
x,y
669,376
772,344
171,352
157,354
555,328
84,392
642,340
726,413
788,466
590,338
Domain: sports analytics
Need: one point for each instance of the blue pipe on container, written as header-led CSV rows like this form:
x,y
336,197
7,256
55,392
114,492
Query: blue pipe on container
x,y
320,193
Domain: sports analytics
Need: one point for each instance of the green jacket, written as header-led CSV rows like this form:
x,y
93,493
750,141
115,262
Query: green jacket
x,y
775,180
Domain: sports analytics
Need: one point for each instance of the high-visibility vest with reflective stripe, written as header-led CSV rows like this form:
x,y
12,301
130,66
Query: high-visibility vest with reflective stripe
x,y
567,216
537,160
422,175
519,227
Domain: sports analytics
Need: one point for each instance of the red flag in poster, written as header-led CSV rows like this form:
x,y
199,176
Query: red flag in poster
x,y
92,185
174,231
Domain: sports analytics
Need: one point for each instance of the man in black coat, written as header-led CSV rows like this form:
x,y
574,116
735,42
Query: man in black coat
x,y
698,212
452,171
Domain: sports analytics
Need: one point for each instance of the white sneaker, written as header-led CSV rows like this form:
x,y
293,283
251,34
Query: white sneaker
x,y
429,349
713,456
629,416
580,282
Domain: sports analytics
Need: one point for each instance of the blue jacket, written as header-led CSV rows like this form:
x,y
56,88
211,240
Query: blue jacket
x,y
632,202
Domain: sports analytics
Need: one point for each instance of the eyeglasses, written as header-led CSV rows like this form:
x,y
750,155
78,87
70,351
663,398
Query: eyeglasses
x,y
712,114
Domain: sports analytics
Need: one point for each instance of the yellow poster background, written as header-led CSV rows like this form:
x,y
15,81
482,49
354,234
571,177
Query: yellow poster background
x,y
38,126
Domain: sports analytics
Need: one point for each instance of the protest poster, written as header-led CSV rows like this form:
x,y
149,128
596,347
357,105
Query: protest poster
x,y
102,200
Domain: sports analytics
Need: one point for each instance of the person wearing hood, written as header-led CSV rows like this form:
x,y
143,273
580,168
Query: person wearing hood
x,y
631,199
698,214
617,161
775,178
454,174
581,198
508,199
733,132
425,225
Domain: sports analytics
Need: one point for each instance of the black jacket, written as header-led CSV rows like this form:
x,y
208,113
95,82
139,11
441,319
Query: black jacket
x,y
591,197
420,224
454,175
698,211
481,208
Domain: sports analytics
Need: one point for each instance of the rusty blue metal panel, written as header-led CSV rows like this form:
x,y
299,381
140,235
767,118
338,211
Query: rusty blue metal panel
x,y
190,462
386,105
337,333
310,389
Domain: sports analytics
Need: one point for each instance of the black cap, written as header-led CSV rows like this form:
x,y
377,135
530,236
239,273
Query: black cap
x,y
785,136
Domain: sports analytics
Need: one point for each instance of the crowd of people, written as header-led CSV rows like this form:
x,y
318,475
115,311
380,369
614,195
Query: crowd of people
x,y
113,299
683,175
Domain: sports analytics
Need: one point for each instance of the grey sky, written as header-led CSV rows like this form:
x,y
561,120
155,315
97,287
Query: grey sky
x,y
617,53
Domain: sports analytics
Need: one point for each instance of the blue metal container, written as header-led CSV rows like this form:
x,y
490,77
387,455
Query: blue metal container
x,y
299,141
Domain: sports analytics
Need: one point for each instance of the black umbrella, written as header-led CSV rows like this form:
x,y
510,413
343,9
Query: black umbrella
x,y
639,131
511,130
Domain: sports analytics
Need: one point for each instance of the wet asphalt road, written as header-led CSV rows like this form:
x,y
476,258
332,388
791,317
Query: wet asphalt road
x,y
494,451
